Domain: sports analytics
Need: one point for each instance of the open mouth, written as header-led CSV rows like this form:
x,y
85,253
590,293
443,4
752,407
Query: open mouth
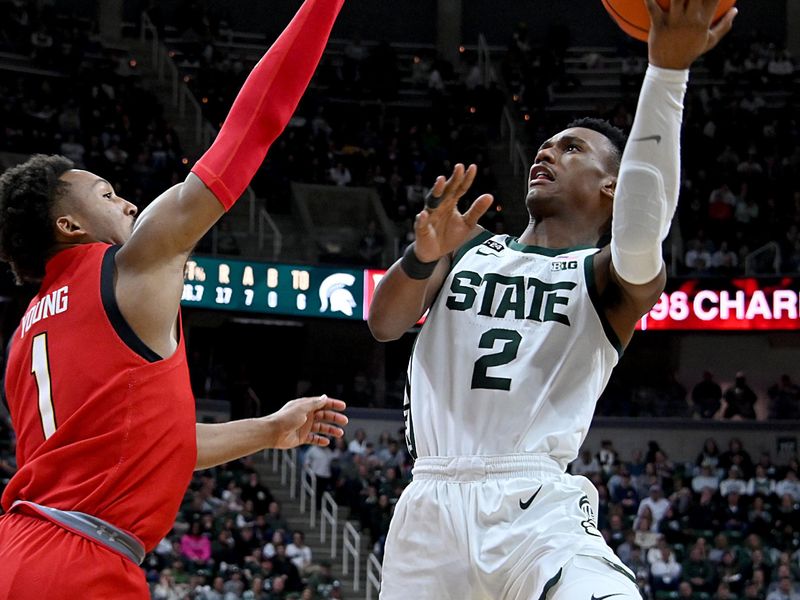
x,y
540,175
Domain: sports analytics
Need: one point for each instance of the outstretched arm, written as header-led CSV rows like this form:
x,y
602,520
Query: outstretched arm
x,y
649,179
301,421
150,264
412,283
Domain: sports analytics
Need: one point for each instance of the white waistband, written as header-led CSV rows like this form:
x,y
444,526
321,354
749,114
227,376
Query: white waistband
x,y
476,468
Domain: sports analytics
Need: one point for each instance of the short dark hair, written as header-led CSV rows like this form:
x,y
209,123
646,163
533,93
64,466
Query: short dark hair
x,y
614,134
27,194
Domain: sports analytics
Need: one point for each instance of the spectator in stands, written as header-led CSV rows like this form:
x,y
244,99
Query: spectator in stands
x,y
274,519
740,399
760,484
706,397
685,590
729,571
699,571
706,479
732,516
258,494
665,570
340,175
724,261
196,548
271,548
322,581
784,399
736,455
733,483
607,457
786,591
656,504
697,259
392,455
358,445
299,553
625,495
319,459
586,465
789,486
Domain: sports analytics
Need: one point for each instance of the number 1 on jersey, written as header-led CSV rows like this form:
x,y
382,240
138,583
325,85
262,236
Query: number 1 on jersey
x,y
510,340
40,367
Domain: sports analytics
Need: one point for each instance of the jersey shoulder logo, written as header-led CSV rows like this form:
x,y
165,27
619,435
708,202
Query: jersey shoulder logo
x,y
563,265
491,245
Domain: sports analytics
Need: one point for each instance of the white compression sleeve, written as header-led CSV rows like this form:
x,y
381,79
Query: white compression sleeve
x,y
649,177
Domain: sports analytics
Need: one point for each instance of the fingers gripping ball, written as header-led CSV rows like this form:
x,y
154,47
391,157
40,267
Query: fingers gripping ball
x,y
633,18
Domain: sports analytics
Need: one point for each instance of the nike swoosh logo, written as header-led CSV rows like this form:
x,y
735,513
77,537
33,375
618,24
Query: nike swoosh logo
x,y
485,253
604,597
657,140
525,505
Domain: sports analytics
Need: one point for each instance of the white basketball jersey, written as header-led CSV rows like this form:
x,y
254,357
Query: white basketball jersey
x,y
513,356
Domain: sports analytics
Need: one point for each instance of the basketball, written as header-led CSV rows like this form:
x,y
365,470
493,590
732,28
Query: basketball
x,y
633,18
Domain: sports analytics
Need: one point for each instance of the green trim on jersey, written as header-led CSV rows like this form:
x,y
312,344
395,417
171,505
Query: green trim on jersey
x,y
550,584
594,295
619,569
514,244
476,241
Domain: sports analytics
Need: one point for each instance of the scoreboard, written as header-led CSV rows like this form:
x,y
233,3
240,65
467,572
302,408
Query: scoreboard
x,y
700,304
274,288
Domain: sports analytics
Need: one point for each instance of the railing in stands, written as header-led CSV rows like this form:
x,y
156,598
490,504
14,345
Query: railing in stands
x,y
329,519
753,260
374,570
266,221
351,549
182,96
289,471
202,131
508,125
308,489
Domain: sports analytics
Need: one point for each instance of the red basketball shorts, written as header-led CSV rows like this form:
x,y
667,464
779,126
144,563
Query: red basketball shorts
x,y
39,559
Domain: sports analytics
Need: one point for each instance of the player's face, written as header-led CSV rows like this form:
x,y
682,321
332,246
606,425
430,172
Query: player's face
x,y
571,170
92,205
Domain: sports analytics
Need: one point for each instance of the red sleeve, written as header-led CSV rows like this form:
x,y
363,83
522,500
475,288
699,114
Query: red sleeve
x,y
266,102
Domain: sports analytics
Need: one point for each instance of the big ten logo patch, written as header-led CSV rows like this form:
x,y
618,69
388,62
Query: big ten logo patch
x,y
589,522
563,265
492,245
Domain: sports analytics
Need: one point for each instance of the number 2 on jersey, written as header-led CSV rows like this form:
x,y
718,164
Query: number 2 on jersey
x,y
510,341
40,367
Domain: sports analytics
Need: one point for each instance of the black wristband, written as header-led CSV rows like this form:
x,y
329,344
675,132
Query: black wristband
x,y
414,267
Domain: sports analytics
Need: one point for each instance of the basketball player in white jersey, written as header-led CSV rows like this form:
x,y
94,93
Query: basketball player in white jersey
x,y
520,341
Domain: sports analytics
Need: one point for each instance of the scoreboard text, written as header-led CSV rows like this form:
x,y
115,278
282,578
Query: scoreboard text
x,y
741,304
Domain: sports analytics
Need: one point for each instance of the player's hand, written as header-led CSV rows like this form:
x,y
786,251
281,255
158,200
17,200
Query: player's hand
x,y
441,228
681,34
307,421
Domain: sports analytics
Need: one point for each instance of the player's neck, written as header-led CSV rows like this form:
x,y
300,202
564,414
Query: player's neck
x,y
554,232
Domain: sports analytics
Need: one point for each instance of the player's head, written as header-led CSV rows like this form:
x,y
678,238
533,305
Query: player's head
x,y
45,203
575,173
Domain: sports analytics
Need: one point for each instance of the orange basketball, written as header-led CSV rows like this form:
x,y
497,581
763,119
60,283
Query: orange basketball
x,y
633,18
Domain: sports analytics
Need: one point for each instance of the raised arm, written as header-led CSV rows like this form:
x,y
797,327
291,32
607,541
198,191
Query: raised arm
x,y
649,178
150,264
301,421
412,283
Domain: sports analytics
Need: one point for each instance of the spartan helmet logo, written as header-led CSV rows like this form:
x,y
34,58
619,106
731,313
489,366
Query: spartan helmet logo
x,y
333,290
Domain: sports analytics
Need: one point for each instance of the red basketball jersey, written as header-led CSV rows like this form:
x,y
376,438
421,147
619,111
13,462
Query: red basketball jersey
x,y
104,426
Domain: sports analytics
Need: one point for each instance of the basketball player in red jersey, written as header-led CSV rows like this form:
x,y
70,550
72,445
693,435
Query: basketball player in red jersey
x,y
97,383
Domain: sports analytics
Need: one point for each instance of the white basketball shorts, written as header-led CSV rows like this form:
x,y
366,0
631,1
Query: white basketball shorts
x,y
511,527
